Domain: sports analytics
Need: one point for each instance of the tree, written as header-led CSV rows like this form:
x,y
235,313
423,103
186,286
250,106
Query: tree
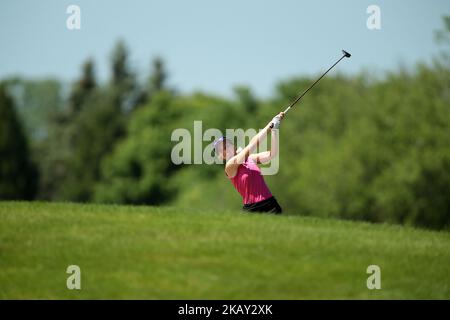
x,y
156,81
36,102
246,99
56,152
139,169
158,77
443,35
93,134
98,124
18,175
121,74
83,87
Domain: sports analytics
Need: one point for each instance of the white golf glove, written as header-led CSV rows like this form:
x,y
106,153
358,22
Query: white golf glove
x,y
276,122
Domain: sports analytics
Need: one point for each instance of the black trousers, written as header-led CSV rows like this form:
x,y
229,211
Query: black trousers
x,y
269,205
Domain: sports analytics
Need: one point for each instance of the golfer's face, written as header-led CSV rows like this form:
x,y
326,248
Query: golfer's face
x,y
227,150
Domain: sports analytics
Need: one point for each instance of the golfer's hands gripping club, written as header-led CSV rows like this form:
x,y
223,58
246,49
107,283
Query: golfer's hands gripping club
x,y
276,121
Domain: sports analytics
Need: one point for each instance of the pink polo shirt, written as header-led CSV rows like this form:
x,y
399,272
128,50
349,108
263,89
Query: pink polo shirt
x,y
249,182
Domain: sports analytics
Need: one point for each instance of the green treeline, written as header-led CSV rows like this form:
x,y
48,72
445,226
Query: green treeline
x,y
356,147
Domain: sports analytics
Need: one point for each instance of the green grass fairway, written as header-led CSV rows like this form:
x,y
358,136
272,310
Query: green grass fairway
x,y
171,253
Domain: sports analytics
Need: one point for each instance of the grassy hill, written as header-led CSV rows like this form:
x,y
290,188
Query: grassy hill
x,y
173,253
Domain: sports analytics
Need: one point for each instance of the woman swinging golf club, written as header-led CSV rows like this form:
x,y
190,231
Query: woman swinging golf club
x,y
243,171
242,167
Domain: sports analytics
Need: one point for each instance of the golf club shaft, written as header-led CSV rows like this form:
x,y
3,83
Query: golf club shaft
x,y
300,96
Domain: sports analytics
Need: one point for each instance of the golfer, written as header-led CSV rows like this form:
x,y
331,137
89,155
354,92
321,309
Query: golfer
x,y
243,171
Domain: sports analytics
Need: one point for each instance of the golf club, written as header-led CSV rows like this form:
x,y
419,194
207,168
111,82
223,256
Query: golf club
x,y
345,55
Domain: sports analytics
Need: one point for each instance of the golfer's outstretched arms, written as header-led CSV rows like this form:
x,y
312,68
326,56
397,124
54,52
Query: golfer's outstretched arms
x,y
233,163
266,156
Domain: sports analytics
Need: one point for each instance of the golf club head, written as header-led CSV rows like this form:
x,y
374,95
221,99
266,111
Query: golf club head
x,y
346,54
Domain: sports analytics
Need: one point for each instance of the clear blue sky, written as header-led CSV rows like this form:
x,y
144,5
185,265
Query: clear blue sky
x,y
215,44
